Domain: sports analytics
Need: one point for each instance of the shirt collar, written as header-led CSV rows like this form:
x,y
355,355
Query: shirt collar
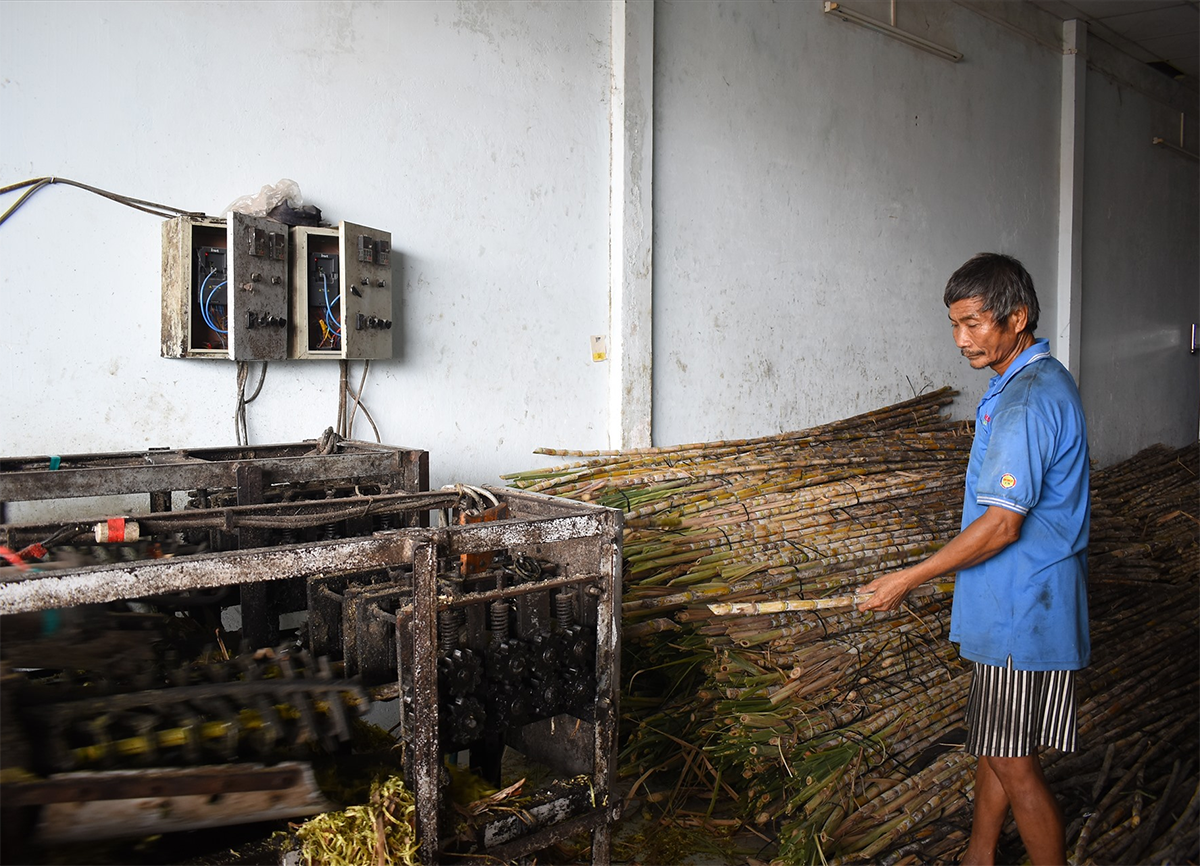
x,y
1040,349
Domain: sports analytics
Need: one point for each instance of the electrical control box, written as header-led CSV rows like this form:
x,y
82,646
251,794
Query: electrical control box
x,y
225,288
195,297
341,292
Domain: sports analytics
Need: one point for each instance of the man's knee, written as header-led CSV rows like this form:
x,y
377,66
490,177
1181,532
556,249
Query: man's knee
x,y
1015,773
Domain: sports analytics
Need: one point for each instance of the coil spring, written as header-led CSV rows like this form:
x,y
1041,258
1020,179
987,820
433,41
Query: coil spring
x,y
499,620
564,610
447,631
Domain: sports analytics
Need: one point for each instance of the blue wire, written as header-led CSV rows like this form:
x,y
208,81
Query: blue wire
x,y
330,318
204,302
203,311
212,295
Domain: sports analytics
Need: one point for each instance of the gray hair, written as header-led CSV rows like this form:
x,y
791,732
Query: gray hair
x,y
1000,281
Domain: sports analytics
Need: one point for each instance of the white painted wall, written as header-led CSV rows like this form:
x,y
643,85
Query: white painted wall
x,y
1141,275
477,133
815,185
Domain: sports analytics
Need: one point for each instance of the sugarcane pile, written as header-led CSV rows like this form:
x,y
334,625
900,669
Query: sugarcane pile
x,y
753,686
788,714
1132,791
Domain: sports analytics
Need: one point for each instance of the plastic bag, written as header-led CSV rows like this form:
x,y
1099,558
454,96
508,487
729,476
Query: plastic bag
x,y
267,199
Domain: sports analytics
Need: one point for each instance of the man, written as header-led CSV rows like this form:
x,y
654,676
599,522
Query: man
x,y
1020,600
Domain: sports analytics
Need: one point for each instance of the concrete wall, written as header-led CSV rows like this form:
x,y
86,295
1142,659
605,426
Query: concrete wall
x,y
814,185
477,133
1141,275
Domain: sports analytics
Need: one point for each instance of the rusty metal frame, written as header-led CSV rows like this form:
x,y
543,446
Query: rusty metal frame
x,y
156,782
248,470
536,521
26,479
586,538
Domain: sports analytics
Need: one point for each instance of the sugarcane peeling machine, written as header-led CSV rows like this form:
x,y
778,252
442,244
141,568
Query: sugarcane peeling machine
x,y
489,616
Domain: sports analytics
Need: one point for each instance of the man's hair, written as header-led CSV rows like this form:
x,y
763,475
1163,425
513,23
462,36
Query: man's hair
x,y
1000,281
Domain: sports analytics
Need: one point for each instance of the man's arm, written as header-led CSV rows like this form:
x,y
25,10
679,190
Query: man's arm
x,y
989,534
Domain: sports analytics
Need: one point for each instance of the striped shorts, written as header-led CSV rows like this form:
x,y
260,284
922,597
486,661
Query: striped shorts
x,y
1011,713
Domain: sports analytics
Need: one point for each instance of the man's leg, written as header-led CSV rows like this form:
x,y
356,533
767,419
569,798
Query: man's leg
x,y
991,808
1035,809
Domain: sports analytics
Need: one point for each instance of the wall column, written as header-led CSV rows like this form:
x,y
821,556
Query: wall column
x,y
1070,195
631,224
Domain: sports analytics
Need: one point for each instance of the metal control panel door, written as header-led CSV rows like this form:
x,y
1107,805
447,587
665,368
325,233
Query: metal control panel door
x,y
366,264
257,290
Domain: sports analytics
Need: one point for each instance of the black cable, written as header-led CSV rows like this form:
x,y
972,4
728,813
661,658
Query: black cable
x,y
239,415
38,183
21,201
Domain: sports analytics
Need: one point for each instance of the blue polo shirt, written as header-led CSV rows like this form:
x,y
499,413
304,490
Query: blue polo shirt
x,y
1030,455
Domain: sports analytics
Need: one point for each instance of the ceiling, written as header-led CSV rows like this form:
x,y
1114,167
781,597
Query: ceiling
x,y
1164,34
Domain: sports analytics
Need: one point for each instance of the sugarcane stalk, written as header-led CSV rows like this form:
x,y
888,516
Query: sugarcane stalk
x,y
1180,839
754,526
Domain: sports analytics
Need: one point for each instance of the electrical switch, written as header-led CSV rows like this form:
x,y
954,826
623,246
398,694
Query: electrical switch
x,y
258,242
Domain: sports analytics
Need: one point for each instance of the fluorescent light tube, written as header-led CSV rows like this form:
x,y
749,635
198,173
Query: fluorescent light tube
x,y
1164,143
888,30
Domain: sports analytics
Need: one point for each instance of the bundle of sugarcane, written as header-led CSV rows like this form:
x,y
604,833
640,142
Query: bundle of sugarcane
x,y
1144,519
748,669
813,511
748,672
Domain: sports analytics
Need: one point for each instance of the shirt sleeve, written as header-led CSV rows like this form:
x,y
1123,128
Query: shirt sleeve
x,y
1014,466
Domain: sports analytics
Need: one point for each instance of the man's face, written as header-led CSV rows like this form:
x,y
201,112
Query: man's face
x,y
984,343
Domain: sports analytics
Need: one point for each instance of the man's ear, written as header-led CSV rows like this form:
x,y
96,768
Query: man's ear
x,y
1019,318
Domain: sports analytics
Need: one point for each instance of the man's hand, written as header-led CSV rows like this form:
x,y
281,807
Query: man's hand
x,y
888,592
987,535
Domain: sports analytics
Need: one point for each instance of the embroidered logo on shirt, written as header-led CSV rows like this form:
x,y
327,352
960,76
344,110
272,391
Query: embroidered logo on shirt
x,y
987,419
1007,481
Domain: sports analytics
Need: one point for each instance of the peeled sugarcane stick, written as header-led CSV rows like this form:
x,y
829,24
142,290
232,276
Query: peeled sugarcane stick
x,y
808,628
811,604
